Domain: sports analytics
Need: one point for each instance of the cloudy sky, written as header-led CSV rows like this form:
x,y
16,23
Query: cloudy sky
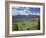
x,y
25,10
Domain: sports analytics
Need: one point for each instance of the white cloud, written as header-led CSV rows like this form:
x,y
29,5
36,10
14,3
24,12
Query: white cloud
x,y
25,12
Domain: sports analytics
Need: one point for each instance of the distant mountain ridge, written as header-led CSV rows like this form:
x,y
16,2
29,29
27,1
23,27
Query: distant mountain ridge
x,y
25,16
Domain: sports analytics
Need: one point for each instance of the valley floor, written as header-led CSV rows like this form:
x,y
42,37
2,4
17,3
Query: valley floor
x,y
26,25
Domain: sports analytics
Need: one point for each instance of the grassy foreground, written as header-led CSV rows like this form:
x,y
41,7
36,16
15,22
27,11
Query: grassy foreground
x,y
26,25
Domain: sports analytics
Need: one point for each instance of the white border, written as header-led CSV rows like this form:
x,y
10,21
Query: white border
x,y
24,32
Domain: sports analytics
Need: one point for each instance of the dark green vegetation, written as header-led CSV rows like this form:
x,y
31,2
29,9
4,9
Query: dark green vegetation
x,y
21,23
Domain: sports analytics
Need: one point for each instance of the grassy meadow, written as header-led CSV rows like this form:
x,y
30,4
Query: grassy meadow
x,y
23,25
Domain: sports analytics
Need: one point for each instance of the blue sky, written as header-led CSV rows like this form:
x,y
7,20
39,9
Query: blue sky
x,y
25,10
